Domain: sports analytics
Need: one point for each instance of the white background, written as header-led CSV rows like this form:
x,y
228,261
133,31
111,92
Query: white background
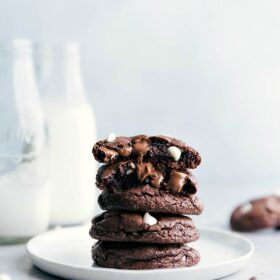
x,y
207,72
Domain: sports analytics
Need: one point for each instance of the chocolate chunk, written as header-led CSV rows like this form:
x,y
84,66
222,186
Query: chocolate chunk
x,y
147,174
169,229
117,175
143,256
110,151
140,145
125,152
257,214
148,199
127,174
181,182
152,149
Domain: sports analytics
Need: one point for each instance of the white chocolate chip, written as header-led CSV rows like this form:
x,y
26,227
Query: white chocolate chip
x,y
149,220
160,178
174,152
130,171
111,137
246,208
5,276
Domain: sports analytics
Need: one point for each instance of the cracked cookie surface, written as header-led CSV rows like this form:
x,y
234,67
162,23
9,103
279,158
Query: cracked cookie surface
x,y
131,226
148,199
143,256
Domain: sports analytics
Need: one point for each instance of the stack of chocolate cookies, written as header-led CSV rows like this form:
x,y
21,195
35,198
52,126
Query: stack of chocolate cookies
x,y
147,189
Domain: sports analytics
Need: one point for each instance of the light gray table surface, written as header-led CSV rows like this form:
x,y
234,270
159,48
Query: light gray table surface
x,y
264,265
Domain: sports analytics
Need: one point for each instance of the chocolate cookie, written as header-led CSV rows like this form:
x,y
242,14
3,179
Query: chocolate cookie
x,y
140,227
127,174
257,214
148,199
169,151
143,256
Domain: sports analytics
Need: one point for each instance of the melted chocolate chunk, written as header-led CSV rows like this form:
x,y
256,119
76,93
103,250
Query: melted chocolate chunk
x,y
117,175
147,174
140,146
181,182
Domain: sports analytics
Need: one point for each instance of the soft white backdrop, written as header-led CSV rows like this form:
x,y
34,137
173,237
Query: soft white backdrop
x,y
205,71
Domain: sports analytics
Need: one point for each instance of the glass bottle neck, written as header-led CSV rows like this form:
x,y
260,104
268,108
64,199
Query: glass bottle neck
x,y
17,76
60,75
74,86
21,114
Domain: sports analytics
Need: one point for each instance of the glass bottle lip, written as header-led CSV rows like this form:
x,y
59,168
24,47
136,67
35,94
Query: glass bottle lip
x,y
17,46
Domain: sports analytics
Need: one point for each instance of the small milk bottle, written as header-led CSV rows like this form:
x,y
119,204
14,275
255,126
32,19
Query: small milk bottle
x,y
24,196
72,133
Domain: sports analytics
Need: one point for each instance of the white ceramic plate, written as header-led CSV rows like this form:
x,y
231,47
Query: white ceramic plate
x,y
66,253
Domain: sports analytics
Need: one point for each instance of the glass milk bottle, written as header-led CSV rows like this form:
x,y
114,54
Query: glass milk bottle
x,y
24,200
72,132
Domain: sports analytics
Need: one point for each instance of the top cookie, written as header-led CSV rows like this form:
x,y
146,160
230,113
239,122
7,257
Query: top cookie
x,y
164,149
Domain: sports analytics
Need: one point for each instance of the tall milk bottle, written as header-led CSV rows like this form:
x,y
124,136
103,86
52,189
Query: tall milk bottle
x,y
24,200
72,133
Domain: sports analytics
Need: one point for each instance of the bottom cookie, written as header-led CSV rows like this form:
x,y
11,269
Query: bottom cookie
x,y
139,256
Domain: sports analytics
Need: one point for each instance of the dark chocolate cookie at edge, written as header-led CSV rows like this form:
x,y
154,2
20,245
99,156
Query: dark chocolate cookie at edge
x,y
257,214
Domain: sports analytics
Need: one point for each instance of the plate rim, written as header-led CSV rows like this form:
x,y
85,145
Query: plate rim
x,y
248,255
